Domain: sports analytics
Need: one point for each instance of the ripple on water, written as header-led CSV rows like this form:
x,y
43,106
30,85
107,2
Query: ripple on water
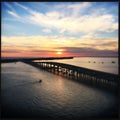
x,y
55,97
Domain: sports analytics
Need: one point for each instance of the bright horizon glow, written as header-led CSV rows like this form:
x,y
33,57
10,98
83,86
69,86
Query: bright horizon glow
x,y
59,52
51,29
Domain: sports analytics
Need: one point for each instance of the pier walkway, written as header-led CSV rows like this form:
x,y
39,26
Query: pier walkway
x,y
81,74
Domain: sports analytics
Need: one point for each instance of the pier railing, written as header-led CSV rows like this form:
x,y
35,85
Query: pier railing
x,y
79,73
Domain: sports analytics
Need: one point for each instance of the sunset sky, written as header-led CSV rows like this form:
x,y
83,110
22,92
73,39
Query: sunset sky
x,y
54,29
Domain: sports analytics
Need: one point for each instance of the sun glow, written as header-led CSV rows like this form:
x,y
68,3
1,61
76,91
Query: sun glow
x,y
59,52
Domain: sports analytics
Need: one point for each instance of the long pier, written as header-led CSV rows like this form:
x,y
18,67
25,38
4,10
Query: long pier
x,y
81,74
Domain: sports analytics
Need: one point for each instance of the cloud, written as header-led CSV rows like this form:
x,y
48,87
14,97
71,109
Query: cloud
x,y
10,51
45,45
66,19
67,51
22,6
78,8
46,30
62,30
69,19
56,42
100,43
88,51
20,49
9,6
17,17
29,51
84,23
13,14
53,14
41,41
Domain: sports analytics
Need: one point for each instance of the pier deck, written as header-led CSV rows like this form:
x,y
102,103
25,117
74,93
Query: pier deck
x,y
79,73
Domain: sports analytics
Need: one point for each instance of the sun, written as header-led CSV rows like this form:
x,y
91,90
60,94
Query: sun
x,y
59,52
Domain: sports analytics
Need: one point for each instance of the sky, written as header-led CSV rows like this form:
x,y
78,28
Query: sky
x,y
55,29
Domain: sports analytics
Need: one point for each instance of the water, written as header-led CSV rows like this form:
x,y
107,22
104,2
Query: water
x,y
22,96
97,63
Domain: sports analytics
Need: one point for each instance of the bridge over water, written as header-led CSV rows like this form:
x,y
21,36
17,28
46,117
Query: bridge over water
x,y
102,79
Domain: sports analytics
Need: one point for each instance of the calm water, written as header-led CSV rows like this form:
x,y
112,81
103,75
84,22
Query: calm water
x,y
100,64
56,97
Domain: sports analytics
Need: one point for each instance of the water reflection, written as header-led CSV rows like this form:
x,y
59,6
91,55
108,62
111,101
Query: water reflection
x,y
60,86
55,96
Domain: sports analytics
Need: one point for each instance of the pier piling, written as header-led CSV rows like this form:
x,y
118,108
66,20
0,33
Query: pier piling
x,y
94,77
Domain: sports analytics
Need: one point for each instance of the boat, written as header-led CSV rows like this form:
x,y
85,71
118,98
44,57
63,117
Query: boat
x,y
113,61
40,81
